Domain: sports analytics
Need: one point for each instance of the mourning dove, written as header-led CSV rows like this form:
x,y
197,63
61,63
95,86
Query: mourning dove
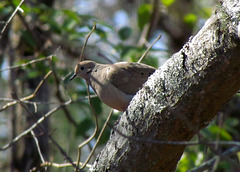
x,y
115,84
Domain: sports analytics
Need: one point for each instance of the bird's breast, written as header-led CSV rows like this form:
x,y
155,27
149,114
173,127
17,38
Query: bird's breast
x,y
109,94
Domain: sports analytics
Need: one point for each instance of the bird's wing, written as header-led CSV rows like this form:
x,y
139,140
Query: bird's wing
x,y
129,77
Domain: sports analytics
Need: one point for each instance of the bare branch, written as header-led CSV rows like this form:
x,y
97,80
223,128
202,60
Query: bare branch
x,y
52,164
145,53
206,165
38,147
39,121
85,43
94,133
28,97
98,139
28,63
11,17
39,102
179,99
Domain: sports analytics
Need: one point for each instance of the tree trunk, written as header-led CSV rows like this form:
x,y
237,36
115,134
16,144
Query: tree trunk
x,y
179,99
25,155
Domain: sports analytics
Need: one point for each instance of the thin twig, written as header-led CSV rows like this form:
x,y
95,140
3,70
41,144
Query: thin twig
x,y
32,132
219,155
187,143
207,164
52,164
43,131
98,139
63,152
47,102
38,147
39,121
154,18
85,43
11,17
28,97
94,133
94,114
60,98
145,53
28,63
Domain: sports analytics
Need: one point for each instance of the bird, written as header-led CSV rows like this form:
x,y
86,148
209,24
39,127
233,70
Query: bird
x,y
115,84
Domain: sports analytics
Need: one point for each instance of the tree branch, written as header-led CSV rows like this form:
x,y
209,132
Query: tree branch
x,y
179,99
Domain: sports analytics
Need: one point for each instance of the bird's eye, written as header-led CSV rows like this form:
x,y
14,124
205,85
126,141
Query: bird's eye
x,y
82,68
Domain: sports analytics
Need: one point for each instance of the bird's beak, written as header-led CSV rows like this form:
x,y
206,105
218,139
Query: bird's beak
x,y
72,77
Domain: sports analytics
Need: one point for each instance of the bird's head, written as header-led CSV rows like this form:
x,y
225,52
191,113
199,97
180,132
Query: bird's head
x,y
83,69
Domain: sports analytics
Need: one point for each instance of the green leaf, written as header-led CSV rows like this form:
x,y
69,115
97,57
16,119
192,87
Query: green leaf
x,y
100,32
32,74
225,135
124,33
69,24
54,59
190,19
150,61
5,10
144,14
167,3
215,130
238,155
207,12
49,17
72,15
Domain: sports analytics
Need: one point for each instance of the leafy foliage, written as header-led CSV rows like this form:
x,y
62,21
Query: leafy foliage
x,y
124,33
190,19
144,13
42,31
167,3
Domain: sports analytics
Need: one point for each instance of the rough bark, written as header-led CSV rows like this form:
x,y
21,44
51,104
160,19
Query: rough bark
x,y
179,99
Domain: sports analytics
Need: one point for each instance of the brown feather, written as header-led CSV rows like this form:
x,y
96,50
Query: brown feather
x,y
115,84
129,77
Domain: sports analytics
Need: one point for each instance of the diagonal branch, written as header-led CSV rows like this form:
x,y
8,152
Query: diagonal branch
x,y
11,17
28,63
179,99
28,97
